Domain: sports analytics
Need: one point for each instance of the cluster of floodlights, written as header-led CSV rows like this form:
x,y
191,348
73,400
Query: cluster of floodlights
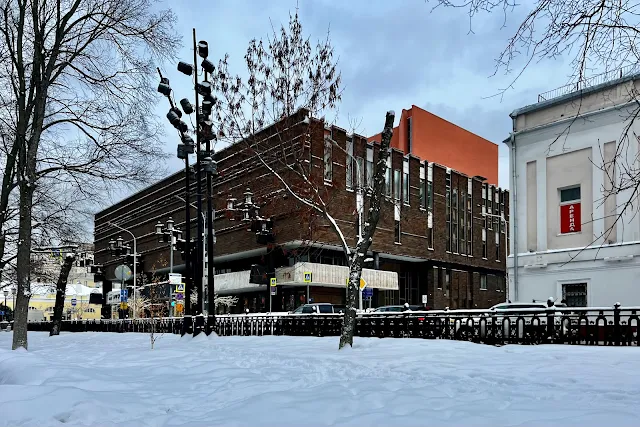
x,y
204,125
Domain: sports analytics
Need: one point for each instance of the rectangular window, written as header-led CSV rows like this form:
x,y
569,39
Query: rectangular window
x,y
437,276
349,163
448,208
328,162
397,231
454,220
463,223
360,171
484,243
387,178
370,166
575,294
570,210
429,195
469,219
405,181
397,185
483,282
423,188
447,279
430,237
498,242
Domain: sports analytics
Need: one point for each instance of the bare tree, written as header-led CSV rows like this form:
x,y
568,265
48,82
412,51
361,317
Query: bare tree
x,y
601,39
61,288
287,75
75,102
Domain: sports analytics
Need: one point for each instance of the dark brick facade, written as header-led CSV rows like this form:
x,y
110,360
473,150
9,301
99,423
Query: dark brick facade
x,y
423,270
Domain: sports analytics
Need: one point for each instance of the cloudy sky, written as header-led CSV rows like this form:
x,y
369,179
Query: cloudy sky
x,y
392,54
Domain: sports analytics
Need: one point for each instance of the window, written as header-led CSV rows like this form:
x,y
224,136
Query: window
x,y
570,216
349,163
498,241
397,187
437,276
454,220
430,234
370,166
448,209
360,172
447,278
469,218
423,188
575,294
405,180
484,243
463,223
483,282
328,162
397,232
387,178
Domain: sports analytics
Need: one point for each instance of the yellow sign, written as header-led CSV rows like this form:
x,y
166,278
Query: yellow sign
x,y
363,284
180,289
273,282
179,307
124,305
307,276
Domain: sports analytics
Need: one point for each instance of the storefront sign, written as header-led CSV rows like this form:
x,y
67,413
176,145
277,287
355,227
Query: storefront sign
x,y
570,219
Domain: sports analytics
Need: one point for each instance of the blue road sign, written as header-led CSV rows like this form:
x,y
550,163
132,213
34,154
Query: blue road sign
x,y
74,302
124,295
367,293
1,313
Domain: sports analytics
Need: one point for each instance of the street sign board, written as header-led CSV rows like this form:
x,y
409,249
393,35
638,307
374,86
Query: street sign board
x,y
124,295
74,302
123,273
273,282
363,283
424,299
179,307
179,296
180,289
367,293
175,278
308,277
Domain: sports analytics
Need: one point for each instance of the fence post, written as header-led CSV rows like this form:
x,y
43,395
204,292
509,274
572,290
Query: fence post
x,y
198,325
616,323
186,325
550,324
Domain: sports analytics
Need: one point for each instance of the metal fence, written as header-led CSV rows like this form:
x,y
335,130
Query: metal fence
x,y
579,326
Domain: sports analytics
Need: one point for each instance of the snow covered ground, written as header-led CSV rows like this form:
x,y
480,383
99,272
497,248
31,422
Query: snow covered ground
x,y
100,379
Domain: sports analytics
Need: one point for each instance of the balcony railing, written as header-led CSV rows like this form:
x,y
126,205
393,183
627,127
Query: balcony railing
x,y
334,276
590,82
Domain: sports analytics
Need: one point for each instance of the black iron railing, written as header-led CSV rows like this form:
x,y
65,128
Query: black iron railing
x,y
579,326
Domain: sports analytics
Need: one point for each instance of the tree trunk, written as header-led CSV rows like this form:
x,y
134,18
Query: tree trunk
x,y
21,312
357,260
61,288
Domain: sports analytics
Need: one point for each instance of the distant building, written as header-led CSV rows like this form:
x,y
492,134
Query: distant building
x,y
569,238
432,138
46,266
432,239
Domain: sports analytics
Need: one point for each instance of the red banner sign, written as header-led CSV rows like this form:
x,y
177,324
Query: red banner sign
x,y
570,221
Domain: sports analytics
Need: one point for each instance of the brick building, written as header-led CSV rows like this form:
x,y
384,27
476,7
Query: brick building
x,y
432,238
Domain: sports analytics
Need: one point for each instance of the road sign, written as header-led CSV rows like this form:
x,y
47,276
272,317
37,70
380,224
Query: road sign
x,y
173,303
363,284
1,313
308,277
123,273
273,281
175,278
180,289
74,302
124,295
179,296
367,293
273,285
124,305
424,299
179,307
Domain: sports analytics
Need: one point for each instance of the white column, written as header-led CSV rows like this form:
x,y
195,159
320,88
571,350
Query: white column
x,y
541,186
597,193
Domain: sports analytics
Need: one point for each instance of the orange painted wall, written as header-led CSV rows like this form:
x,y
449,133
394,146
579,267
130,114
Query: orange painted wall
x,y
437,140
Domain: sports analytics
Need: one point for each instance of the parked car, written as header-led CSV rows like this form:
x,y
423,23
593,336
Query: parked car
x,y
397,308
316,307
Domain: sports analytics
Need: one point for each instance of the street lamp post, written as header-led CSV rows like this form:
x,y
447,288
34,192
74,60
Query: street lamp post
x,y
13,302
4,316
204,133
171,235
120,246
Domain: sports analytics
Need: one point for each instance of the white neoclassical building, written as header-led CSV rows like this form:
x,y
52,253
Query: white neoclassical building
x,y
574,156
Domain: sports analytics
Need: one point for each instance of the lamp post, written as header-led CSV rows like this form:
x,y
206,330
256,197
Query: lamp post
x,y
118,246
173,236
6,292
13,302
204,162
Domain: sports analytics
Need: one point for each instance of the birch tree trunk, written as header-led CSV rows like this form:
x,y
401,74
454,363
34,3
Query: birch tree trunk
x,y
61,289
357,259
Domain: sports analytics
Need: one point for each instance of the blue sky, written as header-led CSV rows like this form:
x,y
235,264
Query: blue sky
x,y
392,55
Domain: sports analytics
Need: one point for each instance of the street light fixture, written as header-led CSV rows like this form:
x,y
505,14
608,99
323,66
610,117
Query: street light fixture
x,y
6,292
121,249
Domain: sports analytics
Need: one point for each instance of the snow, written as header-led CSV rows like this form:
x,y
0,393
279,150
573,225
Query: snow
x,y
102,379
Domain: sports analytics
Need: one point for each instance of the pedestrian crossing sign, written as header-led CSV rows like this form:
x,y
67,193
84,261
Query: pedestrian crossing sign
x,y
273,282
180,289
307,277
